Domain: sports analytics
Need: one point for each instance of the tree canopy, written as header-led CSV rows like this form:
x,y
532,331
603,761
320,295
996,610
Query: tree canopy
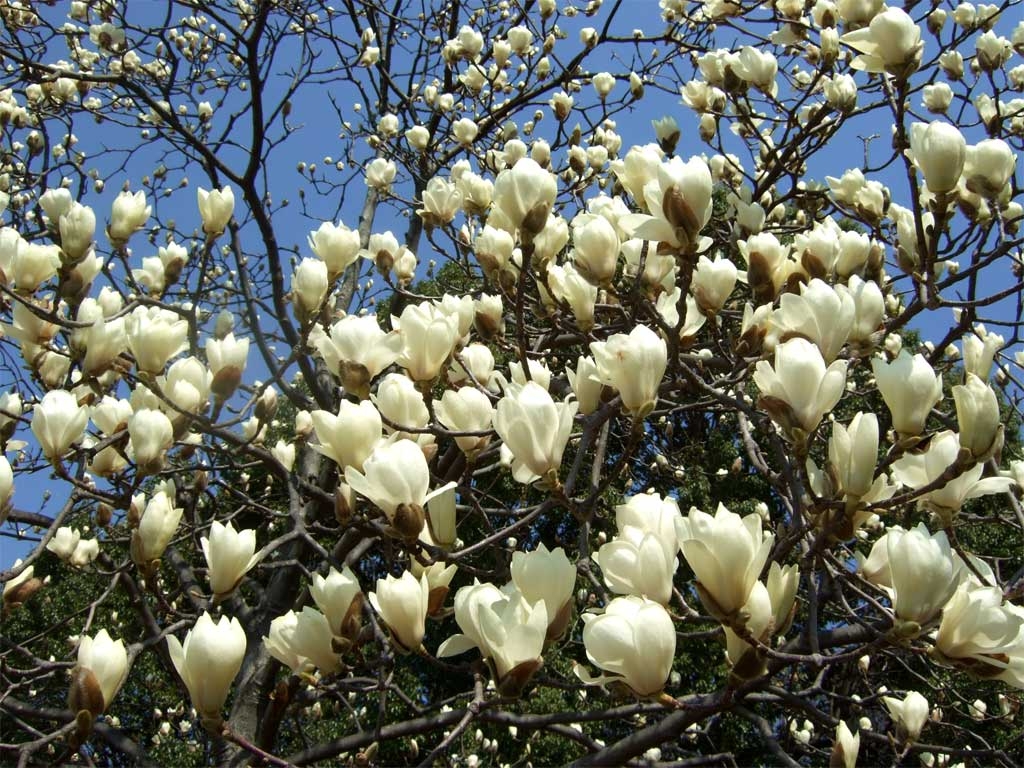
x,y
511,383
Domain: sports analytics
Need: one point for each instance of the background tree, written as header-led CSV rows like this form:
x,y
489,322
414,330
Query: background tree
x,y
384,444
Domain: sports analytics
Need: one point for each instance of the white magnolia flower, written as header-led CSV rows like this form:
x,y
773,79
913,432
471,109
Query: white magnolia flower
x,y
340,598
726,553
301,640
548,576
634,640
396,478
216,208
208,662
633,364
101,670
799,390
402,603
506,628
910,387
921,469
58,422
230,554
534,430
910,714
349,437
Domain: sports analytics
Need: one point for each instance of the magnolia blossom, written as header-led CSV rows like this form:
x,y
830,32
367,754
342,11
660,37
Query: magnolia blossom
x,y
208,662
633,364
713,282
151,435
637,168
757,617
466,410
977,413
922,573
84,553
284,453
58,422
438,575
845,748
569,285
441,519
910,714
636,563
187,388
216,208
782,584
988,167
869,308
979,351
429,336
6,483
852,453
104,342
819,313
508,629
654,514
380,173
910,387
356,350
726,553
301,640
658,270
401,406
230,554
586,384
77,227
156,528
634,640
33,264
469,601
226,357
525,194
336,245
917,470
595,248
799,389
756,67
890,43
534,430
20,588
128,214
939,149
349,437
155,335
982,633
402,603
442,200
548,576
340,598
63,543
101,670
309,288
396,478
679,200
56,202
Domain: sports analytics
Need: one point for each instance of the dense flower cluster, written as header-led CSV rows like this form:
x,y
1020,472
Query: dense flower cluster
x,y
298,468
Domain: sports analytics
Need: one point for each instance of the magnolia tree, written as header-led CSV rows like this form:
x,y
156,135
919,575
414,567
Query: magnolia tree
x,y
563,436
